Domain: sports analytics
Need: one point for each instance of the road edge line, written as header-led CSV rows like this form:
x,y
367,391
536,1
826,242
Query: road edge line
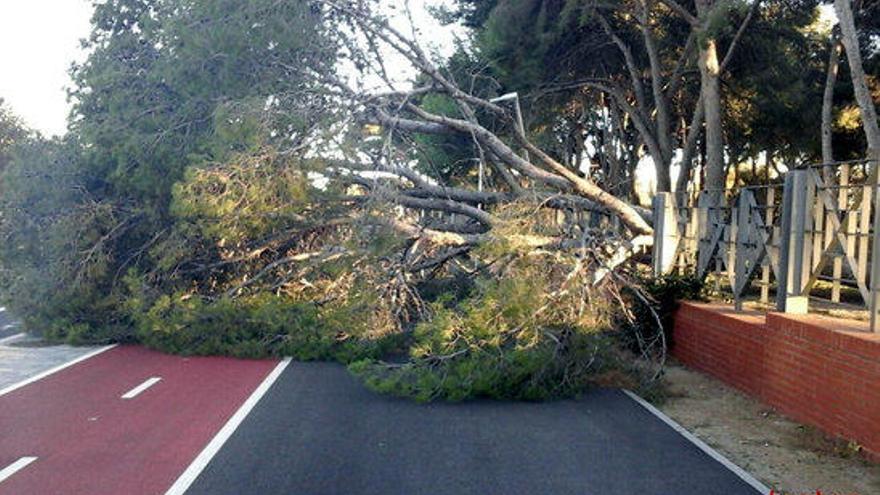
x,y
714,454
52,371
182,484
12,338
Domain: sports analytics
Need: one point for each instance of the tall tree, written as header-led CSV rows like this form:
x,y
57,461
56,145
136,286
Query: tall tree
x,y
169,86
12,131
707,25
850,39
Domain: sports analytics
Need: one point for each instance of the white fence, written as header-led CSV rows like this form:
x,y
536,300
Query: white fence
x,y
816,225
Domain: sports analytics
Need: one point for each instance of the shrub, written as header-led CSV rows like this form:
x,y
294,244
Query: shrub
x,y
255,327
511,338
59,246
663,295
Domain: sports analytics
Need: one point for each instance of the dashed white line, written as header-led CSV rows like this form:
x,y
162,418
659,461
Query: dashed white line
x,y
15,467
56,369
201,461
131,394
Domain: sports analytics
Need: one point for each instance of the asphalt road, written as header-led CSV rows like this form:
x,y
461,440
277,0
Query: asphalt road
x,y
317,431
125,421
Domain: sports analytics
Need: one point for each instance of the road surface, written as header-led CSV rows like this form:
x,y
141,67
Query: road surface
x,y
319,432
129,420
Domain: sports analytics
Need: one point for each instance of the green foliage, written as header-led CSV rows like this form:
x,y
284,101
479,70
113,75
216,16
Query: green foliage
x,y
664,294
775,81
510,339
447,291
171,160
56,257
243,198
12,131
719,21
253,327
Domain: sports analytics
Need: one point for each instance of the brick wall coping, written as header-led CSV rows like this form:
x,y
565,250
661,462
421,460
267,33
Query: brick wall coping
x,y
847,335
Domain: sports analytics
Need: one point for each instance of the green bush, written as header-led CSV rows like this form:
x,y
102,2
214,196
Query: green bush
x,y
255,327
663,294
58,246
505,341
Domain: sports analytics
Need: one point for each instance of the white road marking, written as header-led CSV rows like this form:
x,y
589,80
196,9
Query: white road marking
x,y
15,467
56,369
201,461
11,338
714,454
131,394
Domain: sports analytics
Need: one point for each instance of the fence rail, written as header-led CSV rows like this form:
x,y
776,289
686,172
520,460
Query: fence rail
x,y
819,223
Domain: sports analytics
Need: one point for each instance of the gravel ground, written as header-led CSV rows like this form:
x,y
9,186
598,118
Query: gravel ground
x,y
785,455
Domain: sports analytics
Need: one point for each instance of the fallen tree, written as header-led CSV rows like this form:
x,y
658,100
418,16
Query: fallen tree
x,y
307,219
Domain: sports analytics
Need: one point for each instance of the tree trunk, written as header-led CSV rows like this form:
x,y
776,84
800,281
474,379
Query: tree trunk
x,y
710,92
711,95
661,107
860,86
828,100
664,181
689,147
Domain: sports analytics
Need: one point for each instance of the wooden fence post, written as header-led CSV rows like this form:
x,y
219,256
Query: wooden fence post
x,y
666,236
874,303
794,261
848,218
799,261
739,281
773,234
782,278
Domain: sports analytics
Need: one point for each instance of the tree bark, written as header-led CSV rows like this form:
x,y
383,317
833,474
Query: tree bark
x,y
828,100
690,146
850,40
661,106
711,96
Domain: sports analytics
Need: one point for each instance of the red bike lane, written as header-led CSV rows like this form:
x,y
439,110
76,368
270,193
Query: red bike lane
x,y
89,439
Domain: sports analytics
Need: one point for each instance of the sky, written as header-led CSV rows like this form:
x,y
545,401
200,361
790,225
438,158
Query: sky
x,y
40,39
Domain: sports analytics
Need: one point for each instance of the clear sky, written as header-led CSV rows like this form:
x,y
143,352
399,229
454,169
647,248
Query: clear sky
x,y
39,40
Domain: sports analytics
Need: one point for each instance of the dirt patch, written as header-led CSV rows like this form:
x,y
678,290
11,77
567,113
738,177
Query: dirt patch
x,y
785,455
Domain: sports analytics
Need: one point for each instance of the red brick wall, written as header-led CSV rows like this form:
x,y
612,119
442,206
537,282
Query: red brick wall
x,y
819,371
